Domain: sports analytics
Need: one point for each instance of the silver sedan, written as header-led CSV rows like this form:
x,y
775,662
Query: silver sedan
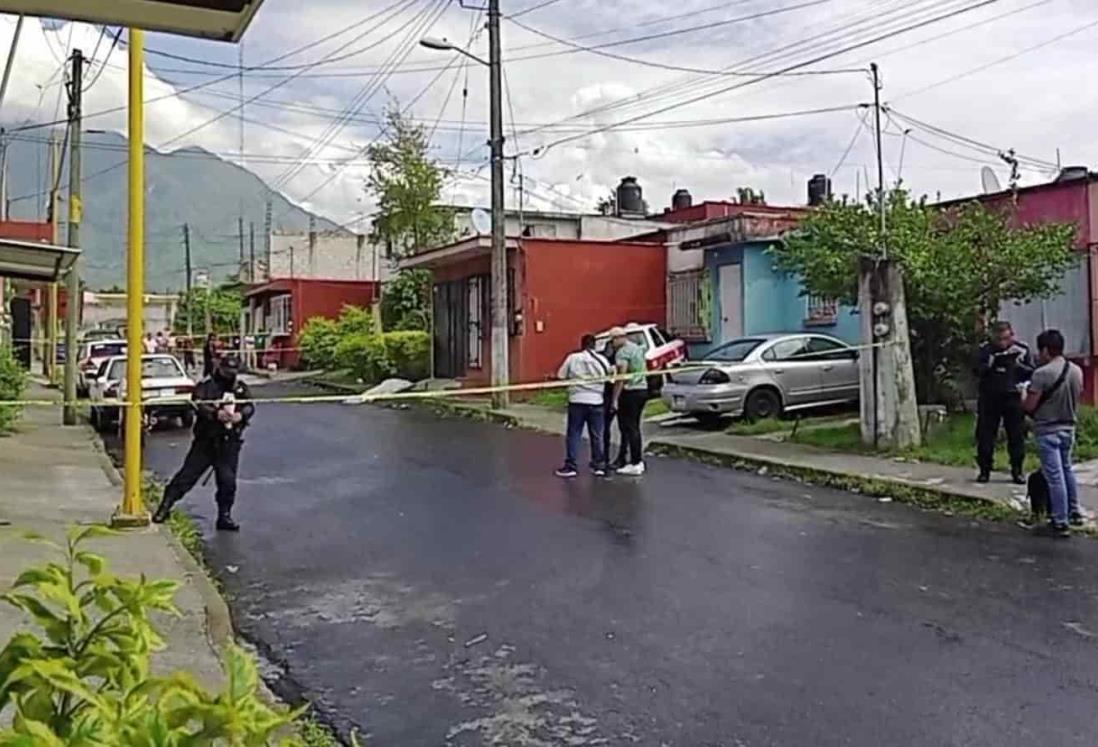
x,y
762,376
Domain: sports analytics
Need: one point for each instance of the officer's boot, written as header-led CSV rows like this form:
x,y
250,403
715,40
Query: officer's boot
x,y
225,521
163,511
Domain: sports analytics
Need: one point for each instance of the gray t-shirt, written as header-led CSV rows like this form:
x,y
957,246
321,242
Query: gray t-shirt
x,y
1058,411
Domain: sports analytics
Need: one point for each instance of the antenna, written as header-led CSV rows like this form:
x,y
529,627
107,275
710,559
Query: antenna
x,y
482,222
989,180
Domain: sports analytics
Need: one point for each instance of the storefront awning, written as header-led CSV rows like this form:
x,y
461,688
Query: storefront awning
x,y
225,20
32,260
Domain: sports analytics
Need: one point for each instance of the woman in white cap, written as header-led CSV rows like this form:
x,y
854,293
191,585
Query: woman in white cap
x,y
630,396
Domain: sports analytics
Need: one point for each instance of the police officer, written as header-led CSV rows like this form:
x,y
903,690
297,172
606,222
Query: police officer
x,y
1002,366
218,435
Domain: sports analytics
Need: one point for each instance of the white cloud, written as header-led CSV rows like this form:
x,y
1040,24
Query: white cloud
x,y
1036,103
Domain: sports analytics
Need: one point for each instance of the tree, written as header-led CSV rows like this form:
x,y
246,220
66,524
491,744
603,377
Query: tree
x,y
224,304
406,301
406,184
749,196
960,266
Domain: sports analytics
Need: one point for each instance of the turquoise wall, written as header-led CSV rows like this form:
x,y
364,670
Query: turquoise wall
x,y
772,301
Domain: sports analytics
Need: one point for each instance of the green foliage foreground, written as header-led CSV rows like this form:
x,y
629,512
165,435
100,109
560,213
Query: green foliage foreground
x,y
82,678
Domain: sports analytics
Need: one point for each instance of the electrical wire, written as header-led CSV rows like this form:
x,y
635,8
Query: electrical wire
x,y
103,65
963,140
532,8
854,139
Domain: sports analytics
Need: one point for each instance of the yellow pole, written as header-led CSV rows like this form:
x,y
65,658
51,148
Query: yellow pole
x,y
51,310
133,511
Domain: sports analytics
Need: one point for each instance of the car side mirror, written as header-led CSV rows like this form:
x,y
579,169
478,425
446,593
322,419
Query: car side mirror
x,y
854,355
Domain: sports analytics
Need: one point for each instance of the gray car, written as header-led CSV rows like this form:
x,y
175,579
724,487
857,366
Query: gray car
x,y
762,376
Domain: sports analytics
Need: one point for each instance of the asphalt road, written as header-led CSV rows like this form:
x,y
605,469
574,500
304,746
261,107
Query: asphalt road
x,y
429,581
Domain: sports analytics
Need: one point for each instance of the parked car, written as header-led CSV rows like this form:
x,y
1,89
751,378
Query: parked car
x,y
662,350
763,376
163,381
92,355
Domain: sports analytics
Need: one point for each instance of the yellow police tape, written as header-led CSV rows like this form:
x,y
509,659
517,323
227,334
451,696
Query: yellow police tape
x,y
365,398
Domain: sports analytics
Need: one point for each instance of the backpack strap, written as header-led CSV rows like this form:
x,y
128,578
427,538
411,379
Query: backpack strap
x,y
1056,385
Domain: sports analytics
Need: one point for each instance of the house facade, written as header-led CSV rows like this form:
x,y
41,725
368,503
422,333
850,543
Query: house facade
x,y
558,290
722,282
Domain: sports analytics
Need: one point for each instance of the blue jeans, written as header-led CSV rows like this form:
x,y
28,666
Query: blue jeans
x,y
579,417
1055,450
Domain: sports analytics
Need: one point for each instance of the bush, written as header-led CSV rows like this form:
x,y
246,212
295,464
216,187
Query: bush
x,y
83,678
355,320
13,385
318,340
410,353
366,357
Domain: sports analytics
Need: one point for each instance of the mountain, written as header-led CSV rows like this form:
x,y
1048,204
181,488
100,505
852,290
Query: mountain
x,y
189,185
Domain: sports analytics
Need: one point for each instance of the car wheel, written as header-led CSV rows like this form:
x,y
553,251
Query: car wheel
x,y
763,404
187,419
93,416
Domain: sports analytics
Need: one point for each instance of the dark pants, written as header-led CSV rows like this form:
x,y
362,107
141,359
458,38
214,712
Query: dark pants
x,y
579,417
221,454
991,409
630,410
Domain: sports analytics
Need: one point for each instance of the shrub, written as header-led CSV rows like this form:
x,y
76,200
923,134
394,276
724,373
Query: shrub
x,y
13,385
84,679
410,353
366,357
355,320
318,340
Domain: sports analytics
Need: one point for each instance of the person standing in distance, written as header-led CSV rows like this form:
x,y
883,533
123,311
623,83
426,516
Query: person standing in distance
x,y
629,398
585,400
1003,365
209,355
1053,401
224,412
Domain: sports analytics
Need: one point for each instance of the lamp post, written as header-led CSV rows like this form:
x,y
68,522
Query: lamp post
x,y
501,322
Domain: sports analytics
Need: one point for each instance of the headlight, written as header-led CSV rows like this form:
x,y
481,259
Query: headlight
x,y
714,376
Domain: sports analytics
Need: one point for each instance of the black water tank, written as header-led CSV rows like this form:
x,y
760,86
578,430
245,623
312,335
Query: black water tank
x,y
1071,173
819,189
630,198
681,199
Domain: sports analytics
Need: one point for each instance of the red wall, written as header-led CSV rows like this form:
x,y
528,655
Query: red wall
x,y
578,287
1067,202
26,230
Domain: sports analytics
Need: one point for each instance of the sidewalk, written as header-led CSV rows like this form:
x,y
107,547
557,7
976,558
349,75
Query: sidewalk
x,y
51,478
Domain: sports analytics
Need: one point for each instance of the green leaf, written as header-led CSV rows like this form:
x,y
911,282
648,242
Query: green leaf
x,y
94,563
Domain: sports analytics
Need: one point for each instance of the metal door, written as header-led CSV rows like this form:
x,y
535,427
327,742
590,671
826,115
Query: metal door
x,y
730,278
450,329
21,330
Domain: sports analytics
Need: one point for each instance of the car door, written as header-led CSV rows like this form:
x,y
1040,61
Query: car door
x,y
838,368
789,363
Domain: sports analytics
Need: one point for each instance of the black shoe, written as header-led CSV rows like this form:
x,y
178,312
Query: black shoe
x,y
225,523
1076,519
983,477
1018,478
566,472
1060,531
163,513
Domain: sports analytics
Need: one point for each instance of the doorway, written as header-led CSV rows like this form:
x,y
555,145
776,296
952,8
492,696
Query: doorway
x,y
730,278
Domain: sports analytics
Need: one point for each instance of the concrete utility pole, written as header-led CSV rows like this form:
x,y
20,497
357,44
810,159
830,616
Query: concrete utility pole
x,y
190,296
76,210
51,312
240,227
501,315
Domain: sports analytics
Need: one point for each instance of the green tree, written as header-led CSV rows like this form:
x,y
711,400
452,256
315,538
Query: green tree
x,y
224,304
960,266
407,301
750,196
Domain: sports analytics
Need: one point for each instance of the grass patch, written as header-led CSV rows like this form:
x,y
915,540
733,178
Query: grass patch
x,y
952,442
759,427
312,733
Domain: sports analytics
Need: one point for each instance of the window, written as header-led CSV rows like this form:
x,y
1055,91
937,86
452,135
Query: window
x,y
788,349
161,367
826,349
106,349
821,310
474,299
280,320
688,305
733,352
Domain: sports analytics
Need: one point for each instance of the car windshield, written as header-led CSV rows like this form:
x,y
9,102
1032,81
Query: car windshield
x,y
151,368
106,349
735,351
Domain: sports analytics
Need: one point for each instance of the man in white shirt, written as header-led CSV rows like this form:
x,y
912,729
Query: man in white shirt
x,y
585,399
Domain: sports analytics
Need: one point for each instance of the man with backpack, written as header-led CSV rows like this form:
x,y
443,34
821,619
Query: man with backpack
x,y
585,401
1053,401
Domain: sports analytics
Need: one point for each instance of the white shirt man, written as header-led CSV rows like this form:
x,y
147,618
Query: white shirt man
x,y
588,372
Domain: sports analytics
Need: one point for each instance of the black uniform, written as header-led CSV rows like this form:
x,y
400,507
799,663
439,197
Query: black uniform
x,y
215,444
999,373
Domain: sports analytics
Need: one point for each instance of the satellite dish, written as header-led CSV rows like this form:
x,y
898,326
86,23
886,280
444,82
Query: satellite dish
x,y
989,180
482,221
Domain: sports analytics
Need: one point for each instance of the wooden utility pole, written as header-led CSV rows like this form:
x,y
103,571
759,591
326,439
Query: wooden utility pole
x,y
76,210
190,296
51,311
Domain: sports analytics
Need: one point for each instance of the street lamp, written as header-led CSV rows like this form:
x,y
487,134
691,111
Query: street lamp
x,y
501,316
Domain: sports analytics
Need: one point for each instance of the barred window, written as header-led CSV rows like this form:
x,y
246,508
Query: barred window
x,y
688,305
821,310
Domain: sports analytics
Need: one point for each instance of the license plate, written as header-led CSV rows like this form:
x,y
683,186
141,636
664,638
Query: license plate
x,y
678,402
165,393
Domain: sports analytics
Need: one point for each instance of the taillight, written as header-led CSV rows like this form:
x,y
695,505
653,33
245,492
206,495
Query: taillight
x,y
714,376
184,389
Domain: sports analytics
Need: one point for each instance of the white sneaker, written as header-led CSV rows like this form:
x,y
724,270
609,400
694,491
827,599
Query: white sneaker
x,y
632,470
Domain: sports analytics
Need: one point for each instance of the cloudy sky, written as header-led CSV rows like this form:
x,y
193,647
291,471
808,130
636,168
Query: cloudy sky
x,y
603,88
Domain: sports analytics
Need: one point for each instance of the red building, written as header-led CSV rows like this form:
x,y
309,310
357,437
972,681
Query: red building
x,y
1072,198
277,311
560,289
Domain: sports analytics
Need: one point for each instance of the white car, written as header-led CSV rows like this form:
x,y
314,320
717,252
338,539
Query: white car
x,y
163,381
91,357
661,350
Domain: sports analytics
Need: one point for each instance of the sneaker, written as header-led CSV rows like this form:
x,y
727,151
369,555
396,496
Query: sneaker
x,y
598,472
632,470
1059,531
566,472
225,523
1076,519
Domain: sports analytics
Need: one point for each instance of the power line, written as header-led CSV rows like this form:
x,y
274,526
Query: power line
x,y
964,140
103,65
532,8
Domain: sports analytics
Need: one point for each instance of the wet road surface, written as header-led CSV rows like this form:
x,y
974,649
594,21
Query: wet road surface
x,y
429,581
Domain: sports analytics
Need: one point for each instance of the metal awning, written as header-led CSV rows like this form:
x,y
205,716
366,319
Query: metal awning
x,y
225,20
33,260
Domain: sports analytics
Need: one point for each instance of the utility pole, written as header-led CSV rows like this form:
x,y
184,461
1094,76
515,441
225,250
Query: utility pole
x,y
76,210
190,296
880,156
51,311
267,239
251,252
209,292
501,322
240,226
